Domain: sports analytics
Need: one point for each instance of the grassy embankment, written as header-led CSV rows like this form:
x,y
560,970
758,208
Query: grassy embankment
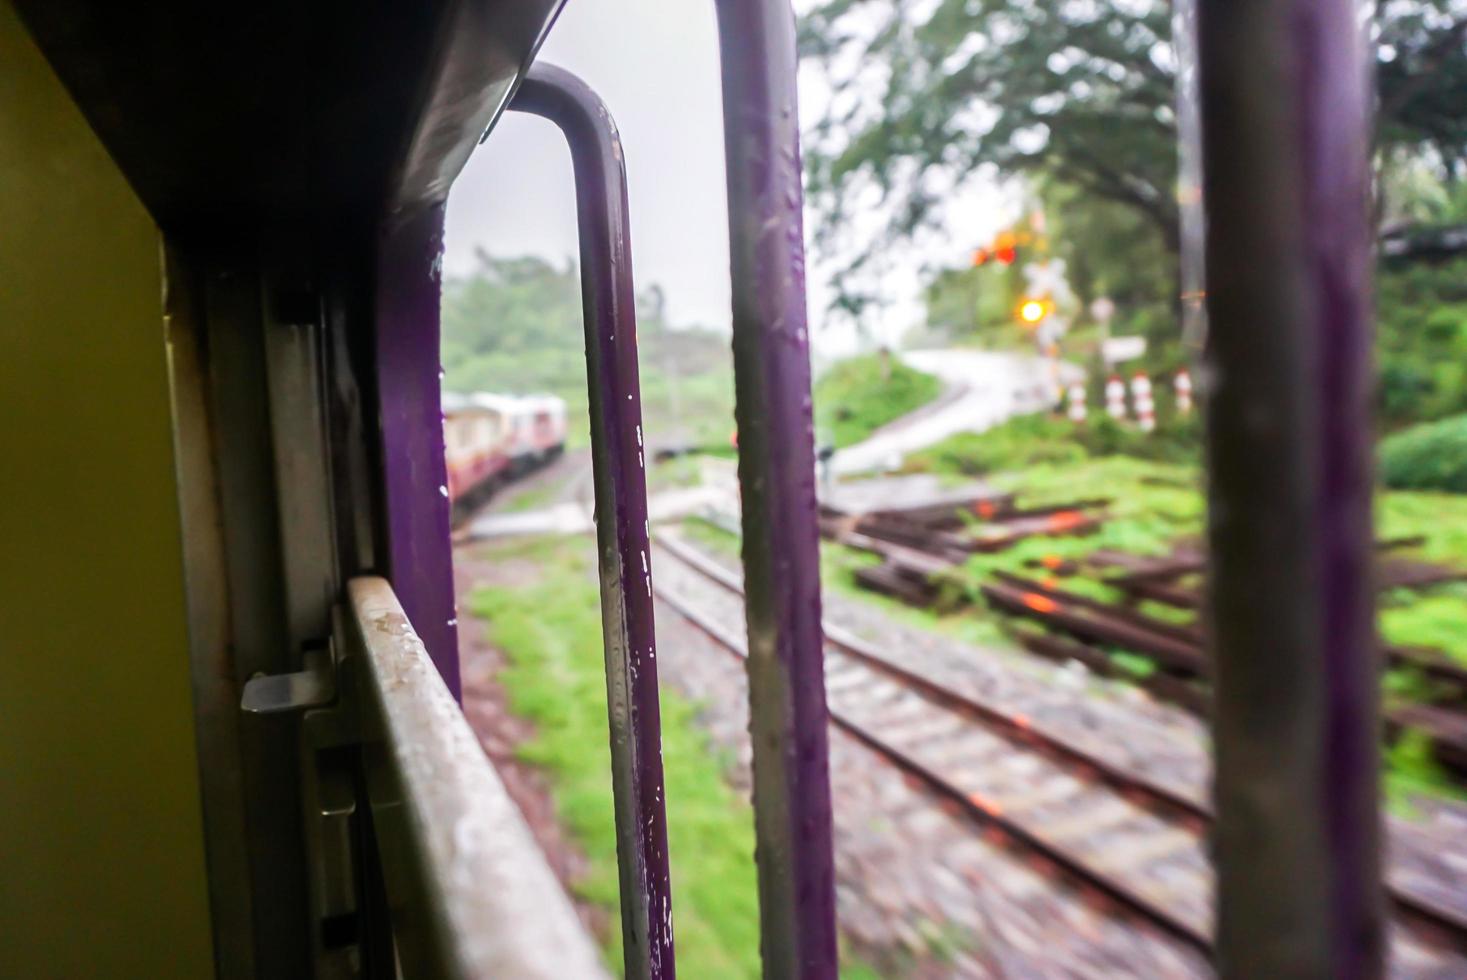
x,y
555,678
855,397
1155,503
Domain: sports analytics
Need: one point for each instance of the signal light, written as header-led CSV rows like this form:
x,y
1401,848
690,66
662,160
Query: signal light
x,y
1031,311
1004,249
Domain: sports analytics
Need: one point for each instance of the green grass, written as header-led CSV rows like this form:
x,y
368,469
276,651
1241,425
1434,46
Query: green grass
x,y
1152,505
711,535
853,399
555,678
1411,771
694,409
1036,440
680,471
1438,617
532,498
1441,517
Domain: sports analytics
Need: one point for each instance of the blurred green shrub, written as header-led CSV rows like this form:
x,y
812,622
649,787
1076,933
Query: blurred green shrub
x,y
1431,456
855,397
1033,440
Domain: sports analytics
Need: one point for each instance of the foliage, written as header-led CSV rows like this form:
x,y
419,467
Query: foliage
x,y
1411,770
975,304
518,498
1107,250
857,396
1044,440
1028,440
1082,93
1422,342
1110,250
1434,620
556,679
1437,619
1074,101
1432,456
514,326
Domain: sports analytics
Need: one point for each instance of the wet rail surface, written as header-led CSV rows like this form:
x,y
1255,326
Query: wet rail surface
x,y
1135,838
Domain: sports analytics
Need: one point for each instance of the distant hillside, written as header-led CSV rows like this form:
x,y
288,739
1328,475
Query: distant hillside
x,y
515,326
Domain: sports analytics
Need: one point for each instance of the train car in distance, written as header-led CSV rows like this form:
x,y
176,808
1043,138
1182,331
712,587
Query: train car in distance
x,y
474,437
489,439
537,431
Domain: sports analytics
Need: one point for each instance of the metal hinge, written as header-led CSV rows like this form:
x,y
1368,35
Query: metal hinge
x,y
313,687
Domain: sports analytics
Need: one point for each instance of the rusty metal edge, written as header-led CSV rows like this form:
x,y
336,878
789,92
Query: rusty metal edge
x,y
470,892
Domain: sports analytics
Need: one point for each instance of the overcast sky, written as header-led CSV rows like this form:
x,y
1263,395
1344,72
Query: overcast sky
x,y
655,63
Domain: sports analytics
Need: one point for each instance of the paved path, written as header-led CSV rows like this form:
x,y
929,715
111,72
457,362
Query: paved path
x,y
984,388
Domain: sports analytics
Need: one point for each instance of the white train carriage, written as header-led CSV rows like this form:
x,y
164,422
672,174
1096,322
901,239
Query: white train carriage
x,y
539,431
490,438
475,443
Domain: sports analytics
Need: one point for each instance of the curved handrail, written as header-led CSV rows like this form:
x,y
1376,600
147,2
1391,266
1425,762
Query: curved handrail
x,y
608,297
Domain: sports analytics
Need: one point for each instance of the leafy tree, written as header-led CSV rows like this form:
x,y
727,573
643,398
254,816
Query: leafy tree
x,y
970,302
1421,342
1074,93
509,306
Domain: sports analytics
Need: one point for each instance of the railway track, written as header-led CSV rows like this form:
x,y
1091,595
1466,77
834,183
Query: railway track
x,y
1136,841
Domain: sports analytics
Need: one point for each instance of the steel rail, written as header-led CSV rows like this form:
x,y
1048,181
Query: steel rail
x,y
608,298
1151,911
1157,796
1012,725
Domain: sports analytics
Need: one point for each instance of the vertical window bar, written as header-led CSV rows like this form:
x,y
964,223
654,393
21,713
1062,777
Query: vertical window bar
x,y
1284,92
410,400
781,556
608,296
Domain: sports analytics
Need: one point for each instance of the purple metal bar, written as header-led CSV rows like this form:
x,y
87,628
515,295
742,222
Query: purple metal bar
x,y
474,59
787,713
415,485
1284,94
608,296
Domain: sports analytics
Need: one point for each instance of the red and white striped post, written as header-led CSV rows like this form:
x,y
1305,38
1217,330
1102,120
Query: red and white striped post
x,y
1182,385
1054,391
1077,403
1115,398
1142,402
